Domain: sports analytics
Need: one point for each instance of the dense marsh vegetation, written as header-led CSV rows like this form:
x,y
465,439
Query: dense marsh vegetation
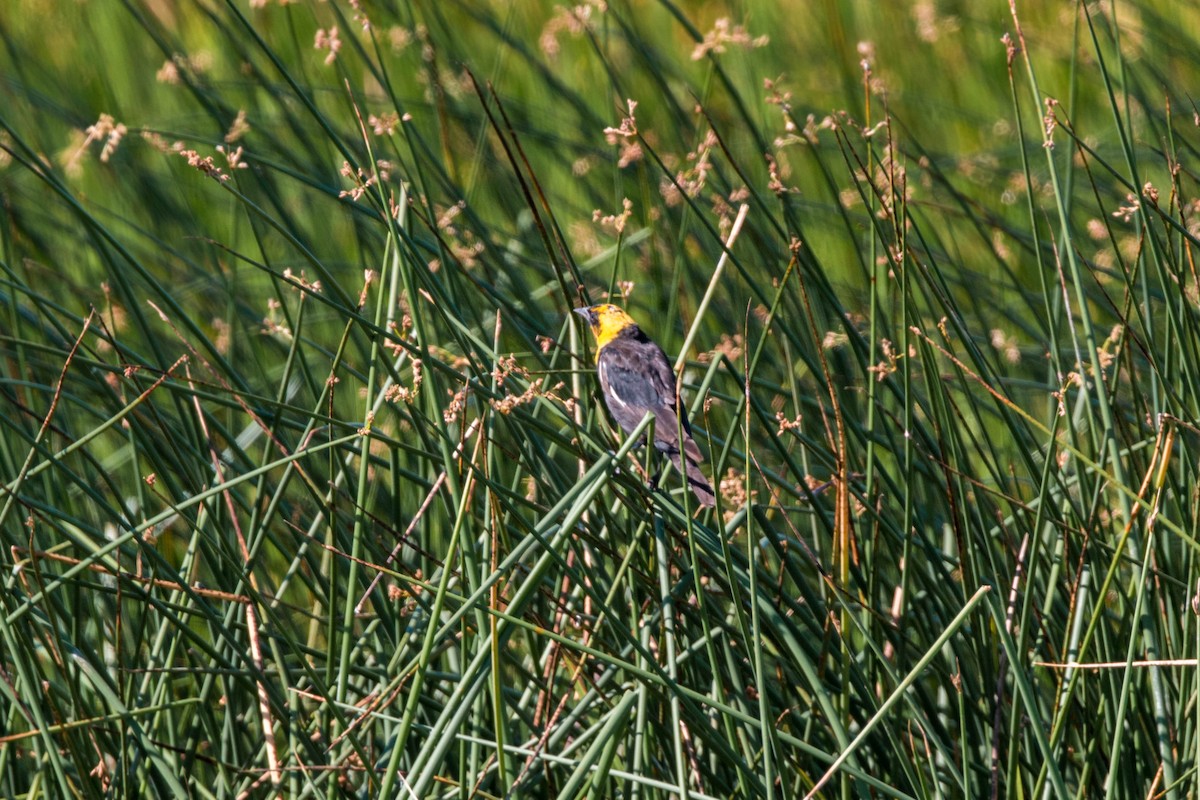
x,y
308,487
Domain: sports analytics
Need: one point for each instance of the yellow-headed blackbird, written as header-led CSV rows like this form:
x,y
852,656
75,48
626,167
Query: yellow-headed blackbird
x,y
636,377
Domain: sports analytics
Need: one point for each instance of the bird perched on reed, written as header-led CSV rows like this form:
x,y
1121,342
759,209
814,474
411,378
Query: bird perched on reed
x,y
636,377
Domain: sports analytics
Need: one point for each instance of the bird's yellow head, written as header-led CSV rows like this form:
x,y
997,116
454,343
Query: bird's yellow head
x,y
606,321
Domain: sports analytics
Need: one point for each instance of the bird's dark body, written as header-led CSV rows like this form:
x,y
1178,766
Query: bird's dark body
x,y
636,377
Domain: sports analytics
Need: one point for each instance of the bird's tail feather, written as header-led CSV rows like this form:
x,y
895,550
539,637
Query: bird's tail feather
x,y
696,479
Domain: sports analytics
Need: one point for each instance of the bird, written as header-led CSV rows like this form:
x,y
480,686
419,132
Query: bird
x,y
636,377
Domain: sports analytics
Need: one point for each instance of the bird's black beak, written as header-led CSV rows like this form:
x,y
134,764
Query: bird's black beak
x,y
587,314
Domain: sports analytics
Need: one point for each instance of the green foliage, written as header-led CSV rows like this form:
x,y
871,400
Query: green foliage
x,y
308,488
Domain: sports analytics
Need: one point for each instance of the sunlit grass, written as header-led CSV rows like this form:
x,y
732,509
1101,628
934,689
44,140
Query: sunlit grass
x,y
308,486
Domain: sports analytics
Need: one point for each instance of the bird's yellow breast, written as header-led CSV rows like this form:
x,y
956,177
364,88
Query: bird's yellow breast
x,y
610,321
608,329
